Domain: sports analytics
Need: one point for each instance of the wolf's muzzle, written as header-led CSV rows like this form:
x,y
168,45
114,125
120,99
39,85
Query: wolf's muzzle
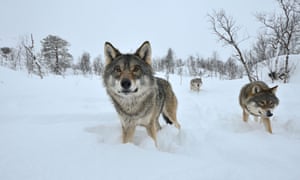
x,y
126,83
269,114
127,86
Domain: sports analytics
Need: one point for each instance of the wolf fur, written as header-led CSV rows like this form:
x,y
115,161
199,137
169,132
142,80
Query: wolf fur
x,y
257,99
138,97
195,84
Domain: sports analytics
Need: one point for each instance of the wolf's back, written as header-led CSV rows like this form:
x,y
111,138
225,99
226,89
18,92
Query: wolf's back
x,y
167,98
165,88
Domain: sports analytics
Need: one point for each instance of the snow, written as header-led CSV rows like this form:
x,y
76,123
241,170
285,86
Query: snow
x,y
66,128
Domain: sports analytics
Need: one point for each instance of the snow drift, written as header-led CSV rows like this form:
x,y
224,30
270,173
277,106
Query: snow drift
x,y
66,128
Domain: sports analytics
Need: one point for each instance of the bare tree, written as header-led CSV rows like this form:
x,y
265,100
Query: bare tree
x,y
260,48
98,65
31,59
4,52
191,65
231,68
226,30
283,28
179,67
10,56
169,62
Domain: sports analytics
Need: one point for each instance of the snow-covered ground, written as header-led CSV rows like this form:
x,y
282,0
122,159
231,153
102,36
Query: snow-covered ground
x,y
66,128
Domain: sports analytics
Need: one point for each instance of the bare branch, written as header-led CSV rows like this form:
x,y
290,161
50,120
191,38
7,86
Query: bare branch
x,y
226,30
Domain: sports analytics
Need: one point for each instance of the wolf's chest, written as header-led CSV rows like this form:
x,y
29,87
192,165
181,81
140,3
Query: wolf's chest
x,y
135,107
136,112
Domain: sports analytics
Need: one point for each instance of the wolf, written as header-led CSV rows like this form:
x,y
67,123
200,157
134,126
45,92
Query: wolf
x,y
259,100
195,84
137,95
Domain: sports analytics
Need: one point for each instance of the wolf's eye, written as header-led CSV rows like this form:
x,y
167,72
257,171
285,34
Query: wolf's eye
x,y
261,103
136,69
117,69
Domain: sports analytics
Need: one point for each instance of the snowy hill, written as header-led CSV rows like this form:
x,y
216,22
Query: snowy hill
x,y
295,62
66,128
294,66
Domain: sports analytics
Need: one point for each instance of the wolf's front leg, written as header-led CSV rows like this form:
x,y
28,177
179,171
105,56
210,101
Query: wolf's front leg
x,y
152,129
128,132
245,115
267,124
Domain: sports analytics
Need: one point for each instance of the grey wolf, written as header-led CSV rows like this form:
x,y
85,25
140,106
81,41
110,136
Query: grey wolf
x,y
138,97
259,100
195,84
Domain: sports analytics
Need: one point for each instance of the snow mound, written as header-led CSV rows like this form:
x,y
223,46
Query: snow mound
x,y
67,128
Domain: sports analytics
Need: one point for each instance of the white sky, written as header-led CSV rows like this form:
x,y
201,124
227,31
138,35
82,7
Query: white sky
x,y
181,25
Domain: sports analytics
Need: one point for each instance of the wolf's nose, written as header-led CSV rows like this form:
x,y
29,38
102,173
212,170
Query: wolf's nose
x,y
269,114
125,83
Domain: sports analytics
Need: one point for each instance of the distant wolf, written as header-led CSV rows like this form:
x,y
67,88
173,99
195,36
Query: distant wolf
x,y
138,97
195,84
259,100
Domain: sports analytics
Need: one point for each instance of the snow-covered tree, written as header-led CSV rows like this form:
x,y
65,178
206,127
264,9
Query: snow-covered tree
x,y
85,63
55,54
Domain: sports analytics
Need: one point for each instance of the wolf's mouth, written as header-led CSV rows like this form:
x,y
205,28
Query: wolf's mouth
x,y
127,91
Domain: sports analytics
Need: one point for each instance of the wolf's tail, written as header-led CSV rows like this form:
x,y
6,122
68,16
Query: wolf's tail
x,y
168,121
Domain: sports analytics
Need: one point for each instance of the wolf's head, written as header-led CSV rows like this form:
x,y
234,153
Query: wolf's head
x,y
128,74
263,101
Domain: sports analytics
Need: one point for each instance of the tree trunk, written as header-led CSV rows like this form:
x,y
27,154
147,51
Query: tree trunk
x,y
56,68
244,63
286,68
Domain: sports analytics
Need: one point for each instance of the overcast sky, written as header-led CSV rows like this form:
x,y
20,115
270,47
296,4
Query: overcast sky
x,y
181,25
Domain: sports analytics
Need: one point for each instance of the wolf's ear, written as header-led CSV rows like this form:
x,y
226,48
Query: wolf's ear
x,y
274,89
255,89
110,52
144,52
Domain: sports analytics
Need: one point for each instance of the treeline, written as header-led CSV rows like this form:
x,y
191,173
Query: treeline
x,y
198,66
54,58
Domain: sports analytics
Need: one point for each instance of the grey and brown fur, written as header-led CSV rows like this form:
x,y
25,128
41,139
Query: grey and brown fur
x,y
195,84
259,100
138,97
